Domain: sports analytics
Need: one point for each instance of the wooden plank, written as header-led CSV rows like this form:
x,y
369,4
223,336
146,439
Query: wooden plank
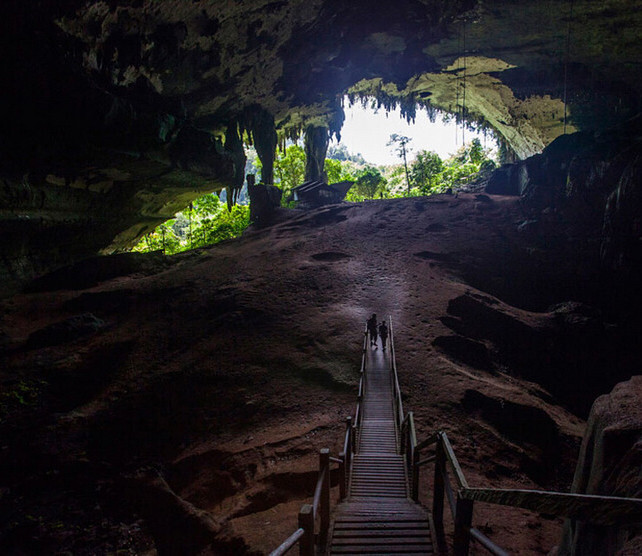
x,y
364,541
386,515
378,525
378,476
369,548
378,517
382,494
376,533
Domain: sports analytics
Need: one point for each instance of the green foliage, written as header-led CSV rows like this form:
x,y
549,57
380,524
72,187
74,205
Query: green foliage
x,y
476,152
289,169
204,222
340,152
430,174
212,227
337,171
370,182
425,169
162,238
400,142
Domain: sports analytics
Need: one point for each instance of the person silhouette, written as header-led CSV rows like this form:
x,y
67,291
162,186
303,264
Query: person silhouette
x,y
372,329
383,332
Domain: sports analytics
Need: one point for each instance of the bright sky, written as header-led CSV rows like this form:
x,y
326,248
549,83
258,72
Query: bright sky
x,y
368,132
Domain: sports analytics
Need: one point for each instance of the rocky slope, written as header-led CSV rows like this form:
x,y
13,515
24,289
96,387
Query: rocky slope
x,y
191,394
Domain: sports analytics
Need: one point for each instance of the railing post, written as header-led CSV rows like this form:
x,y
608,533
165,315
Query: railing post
x,y
324,467
306,522
463,522
350,446
342,476
415,474
438,487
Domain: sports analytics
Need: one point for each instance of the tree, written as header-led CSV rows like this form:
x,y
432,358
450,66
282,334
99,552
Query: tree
x,y
369,182
337,170
289,168
204,222
476,152
401,141
340,152
424,170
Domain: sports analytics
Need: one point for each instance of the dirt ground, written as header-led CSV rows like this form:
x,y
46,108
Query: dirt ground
x,y
190,420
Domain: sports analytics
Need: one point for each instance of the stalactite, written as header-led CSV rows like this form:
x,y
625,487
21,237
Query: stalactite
x,y
234,148
258,124
316,147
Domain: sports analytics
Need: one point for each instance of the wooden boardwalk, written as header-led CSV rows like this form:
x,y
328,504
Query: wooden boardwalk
x,y
379,514
378,517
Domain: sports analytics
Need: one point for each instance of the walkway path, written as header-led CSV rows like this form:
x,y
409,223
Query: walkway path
x,y
378,517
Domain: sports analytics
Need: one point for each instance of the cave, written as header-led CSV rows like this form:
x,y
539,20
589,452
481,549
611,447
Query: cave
x,y
177,404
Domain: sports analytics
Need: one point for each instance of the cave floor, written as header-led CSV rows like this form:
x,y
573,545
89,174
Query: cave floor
x,y
191,421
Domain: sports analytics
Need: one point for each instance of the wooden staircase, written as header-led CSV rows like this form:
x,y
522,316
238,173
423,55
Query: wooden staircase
x,y
378,470
378,517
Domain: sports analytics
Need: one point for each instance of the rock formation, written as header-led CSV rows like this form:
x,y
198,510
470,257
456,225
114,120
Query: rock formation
x,y
609,464
117,114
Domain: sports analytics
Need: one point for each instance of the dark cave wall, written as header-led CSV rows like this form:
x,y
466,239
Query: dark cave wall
x,y
115,114
588,187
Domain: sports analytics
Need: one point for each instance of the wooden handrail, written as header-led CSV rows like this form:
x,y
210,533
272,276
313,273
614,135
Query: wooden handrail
x,y
487,543
305,534
317,491
320,507
450,495
432,439
288,543
601,510
454,463
399,417
412,434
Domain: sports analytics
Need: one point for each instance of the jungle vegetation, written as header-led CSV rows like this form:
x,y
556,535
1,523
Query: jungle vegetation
x,y
207,220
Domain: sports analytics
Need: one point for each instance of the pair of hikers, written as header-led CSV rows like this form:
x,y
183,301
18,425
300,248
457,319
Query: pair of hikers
x,y
374,330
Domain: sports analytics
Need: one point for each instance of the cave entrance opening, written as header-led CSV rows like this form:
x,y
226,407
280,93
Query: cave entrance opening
x,y
389,151
367,129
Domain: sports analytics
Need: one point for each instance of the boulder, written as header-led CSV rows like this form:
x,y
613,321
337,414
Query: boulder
x,y
264,200
503,181
609,464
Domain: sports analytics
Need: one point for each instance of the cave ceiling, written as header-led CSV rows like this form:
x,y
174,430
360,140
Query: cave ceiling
x,y
118,112
209,61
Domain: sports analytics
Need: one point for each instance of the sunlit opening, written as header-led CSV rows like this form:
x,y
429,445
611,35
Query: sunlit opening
x,y
367,130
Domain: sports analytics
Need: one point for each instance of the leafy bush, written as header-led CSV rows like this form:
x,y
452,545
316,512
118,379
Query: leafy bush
x,y
205,222
289,169
369,183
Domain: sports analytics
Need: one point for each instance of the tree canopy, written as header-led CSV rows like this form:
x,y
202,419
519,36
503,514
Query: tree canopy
x,y
369,183
289,169
205,222
426,167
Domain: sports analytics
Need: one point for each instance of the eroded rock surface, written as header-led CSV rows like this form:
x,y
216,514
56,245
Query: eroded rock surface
x,y
609,465
221,375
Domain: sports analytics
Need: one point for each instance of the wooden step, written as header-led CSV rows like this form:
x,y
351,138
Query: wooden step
x,y
378,517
